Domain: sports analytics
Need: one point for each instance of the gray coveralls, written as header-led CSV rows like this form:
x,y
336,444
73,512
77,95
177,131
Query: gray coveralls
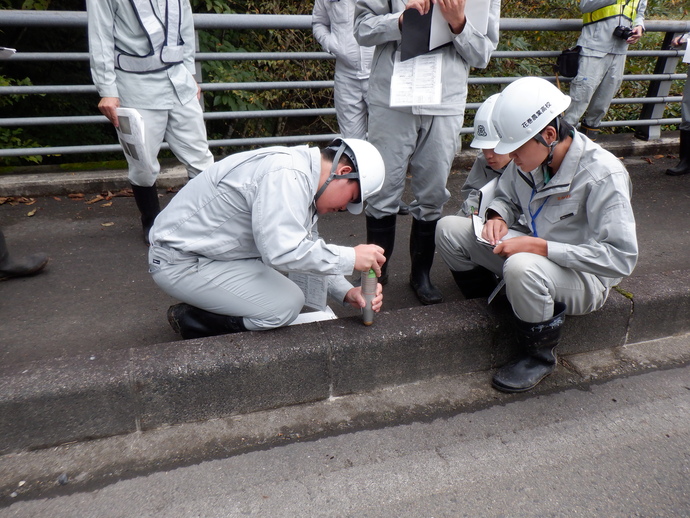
x,y
601,65
224,239
332,23
585,215
419,140
165,98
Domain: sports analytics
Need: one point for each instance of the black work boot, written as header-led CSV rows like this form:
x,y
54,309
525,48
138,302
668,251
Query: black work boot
x,y
148,205
683,166
422,249
193,322
592,133
23,267
538,341
475,283
382,232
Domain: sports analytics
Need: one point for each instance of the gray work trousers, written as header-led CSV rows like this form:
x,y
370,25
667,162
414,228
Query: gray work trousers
x,y
184,130
594,87
422,146
243,288
533,282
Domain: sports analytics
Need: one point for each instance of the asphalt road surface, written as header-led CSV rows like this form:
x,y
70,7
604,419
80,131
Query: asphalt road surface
x,y
619,449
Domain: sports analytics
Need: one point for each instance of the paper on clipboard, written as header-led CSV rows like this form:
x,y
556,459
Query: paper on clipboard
x,y
6,52
479,227
131,134
424,33
686,56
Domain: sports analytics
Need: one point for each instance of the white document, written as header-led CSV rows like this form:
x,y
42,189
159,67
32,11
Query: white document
x,y
131,134
314,287
486,194
478,223
686,57
314,316
417,81
476,11
6,52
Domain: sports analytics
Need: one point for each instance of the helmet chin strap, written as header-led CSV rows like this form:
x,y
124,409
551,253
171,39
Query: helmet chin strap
x,y
334,167
539,138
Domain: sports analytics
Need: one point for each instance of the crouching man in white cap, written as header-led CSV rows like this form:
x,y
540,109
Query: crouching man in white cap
x,y
226,239
575,197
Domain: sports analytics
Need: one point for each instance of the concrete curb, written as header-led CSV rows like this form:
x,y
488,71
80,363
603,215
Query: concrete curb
x,y
54,402
172,176
90,464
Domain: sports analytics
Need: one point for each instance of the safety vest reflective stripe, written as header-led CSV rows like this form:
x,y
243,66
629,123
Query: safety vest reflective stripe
x,y
164,39
624,8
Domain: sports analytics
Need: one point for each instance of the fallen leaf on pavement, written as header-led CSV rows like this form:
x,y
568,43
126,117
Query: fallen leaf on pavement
x,y
76,195
94,200
32,212
107,204
107,224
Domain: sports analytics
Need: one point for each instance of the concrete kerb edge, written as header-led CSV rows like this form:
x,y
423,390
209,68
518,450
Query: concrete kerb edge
x,y
75,467
175,176
72,399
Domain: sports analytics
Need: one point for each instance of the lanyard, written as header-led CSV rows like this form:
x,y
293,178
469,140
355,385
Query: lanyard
x,y
533,215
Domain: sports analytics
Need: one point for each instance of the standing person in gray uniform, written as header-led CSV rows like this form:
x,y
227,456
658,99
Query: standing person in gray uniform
x,y
609,26
575,196
225,240
419,140
142,57
683,166
332,22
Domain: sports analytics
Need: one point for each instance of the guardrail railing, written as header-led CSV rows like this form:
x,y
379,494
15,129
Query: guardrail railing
x,y
648,124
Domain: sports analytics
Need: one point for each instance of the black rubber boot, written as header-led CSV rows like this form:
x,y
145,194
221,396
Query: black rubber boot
x,y
475,283
193,322
382,232
148,205
23,267
592,133
683,166
538,343
422,249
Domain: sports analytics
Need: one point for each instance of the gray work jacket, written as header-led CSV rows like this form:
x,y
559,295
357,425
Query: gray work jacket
x,y
256,205
583,212
377,24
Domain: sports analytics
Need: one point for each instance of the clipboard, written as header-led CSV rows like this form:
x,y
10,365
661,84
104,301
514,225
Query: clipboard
x,y
430,31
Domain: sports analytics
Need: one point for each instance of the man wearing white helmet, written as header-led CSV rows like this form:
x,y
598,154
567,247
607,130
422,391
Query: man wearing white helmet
x,y
225,240
576,198
486,170
488,165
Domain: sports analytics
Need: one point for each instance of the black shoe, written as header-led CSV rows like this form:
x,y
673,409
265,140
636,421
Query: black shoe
x,y
192,322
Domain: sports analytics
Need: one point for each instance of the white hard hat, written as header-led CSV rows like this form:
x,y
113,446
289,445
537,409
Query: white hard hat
x,y
485,136
369,169
524,108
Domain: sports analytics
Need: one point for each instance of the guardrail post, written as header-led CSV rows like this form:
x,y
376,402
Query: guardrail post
x,y
658,88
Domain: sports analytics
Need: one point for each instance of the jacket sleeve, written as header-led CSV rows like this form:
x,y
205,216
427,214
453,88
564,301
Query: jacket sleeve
x,y
101,20
475,47
282,205
375,24
611,250
321,26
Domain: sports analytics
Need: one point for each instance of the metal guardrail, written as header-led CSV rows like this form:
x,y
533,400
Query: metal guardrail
x,y
649,123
